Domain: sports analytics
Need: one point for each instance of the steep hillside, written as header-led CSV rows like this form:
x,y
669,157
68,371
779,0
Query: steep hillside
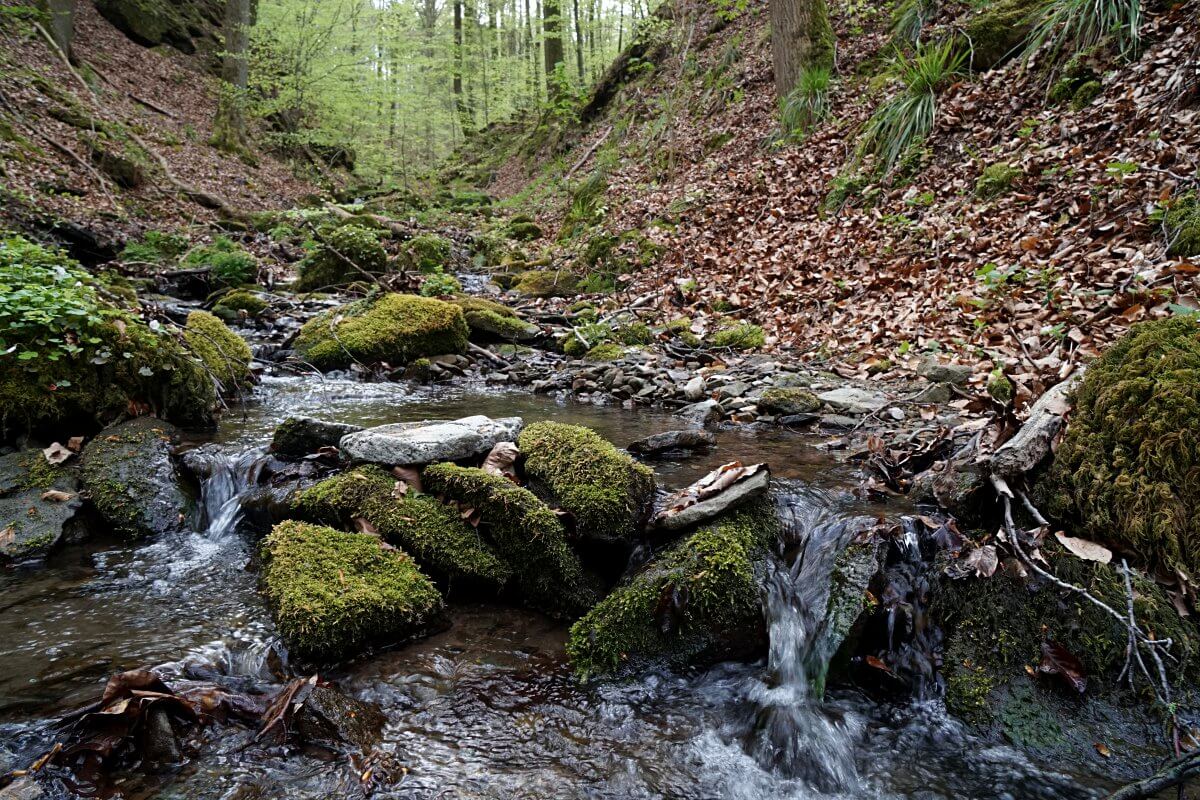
x,y
85,152
1024,233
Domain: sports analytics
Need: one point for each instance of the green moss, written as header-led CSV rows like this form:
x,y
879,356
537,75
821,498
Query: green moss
x,y
155,247
327,265
434,533
739,337
333,594
696,602
571,346
526,533
395,328
490,323
609,351
224,354
1182,222
788,401
634,333
469,303
546,283
1000,387
242,300
522,231
608,493
996,179
1085,94
996,31
427,252
1128,469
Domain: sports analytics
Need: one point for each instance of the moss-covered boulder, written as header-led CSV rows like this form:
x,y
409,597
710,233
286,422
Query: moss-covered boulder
x,y
396,328
546,283
1128,470
427,252
605,351
1181,219
39,506
697,603
434,533
609,494
341,257
995,32
788,401
739,337
128,473
490,325
334,594
178,23
224,354
526,533
231,303
523,229
71,355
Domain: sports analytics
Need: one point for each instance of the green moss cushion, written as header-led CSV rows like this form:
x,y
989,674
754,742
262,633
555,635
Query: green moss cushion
x,y
527,534
433,532
327,266
333,593
695,604
225,355
608,492
396,328
1128,469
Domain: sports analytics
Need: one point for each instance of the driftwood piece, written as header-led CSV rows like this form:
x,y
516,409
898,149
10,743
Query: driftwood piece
x,y
1023,452
726,487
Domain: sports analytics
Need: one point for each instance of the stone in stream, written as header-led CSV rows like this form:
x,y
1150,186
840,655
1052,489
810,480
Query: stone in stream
x,y
853,400
39,506
334,594
721,490
669,443
939,372
788,402
331,718
297,437
429,441
128,473
701,414
695,389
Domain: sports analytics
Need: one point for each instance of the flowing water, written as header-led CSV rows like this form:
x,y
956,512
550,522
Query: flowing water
x,y
487,709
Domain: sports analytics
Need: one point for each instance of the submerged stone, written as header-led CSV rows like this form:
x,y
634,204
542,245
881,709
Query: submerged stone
x,y
429,441
673,442
297,437
39,506
128,473
334,594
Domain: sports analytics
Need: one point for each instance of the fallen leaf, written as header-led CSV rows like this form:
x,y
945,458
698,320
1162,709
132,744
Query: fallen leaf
x,y
1102,749
1082,548
57,496
983,560
56,453
1058,660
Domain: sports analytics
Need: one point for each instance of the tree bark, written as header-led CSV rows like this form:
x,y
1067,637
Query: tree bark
x,y
801,37
229,127
62,23
578,42
553,45
457,84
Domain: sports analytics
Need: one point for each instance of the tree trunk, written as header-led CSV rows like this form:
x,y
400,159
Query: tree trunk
x,y
62,23
457,82
229,127
801,37
578,43
553,46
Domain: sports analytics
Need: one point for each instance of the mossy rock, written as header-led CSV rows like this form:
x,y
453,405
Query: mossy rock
x,y
435,534
635,333
1182,222
526,533
78,358
489,324
695,604
334,594
546,283
996,180
605,351
31,523
739,337
178,23
326,267
609,494
788,401
995,32
128,473
1128,470
524,231
469,303
427,252
241,300
395,328
468,200
223,353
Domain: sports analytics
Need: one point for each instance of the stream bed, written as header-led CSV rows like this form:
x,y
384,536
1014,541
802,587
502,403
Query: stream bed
x,y
488,708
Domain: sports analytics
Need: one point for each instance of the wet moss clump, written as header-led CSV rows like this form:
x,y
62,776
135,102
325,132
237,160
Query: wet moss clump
x,y
471,303
995,32
73,352
1128,470
546,283
607,351
433,532
607,492
696,603
395,328
527,534
223,353
427,252
491,324
341,257
333,594
241,300
739,337
1181,219
786,401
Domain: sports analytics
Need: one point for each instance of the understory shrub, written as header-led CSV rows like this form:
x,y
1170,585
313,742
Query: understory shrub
x,y
229,262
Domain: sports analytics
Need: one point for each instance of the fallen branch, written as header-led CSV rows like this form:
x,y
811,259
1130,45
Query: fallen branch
x,y
1174,773
152,106
485,353
1034,442
588,154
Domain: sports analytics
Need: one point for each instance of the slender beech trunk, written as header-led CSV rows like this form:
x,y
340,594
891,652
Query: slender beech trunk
x,y
801,37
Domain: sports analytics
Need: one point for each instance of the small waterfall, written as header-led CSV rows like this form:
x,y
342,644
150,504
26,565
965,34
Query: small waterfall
x,y
229,476
794,734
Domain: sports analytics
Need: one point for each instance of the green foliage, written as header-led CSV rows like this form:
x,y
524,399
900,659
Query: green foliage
x,y
341,256
439,284
739,337
392,328
587,204
231,264
846,186
996,179
808,103
1126,472
908,117
1070,27
333,594
155,247
910,17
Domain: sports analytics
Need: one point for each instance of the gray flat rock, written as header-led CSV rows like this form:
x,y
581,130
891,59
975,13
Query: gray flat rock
x,y
853,400
429,441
